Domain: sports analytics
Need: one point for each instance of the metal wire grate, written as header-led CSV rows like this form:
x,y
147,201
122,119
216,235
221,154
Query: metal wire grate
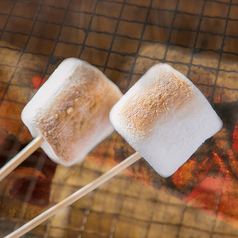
x,y
123,38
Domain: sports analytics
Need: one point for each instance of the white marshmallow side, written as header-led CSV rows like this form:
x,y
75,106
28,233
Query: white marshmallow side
x,y
172,135
64,77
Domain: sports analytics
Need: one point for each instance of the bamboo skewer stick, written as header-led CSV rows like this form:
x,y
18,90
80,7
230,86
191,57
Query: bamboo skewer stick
x,y
20,157
75,196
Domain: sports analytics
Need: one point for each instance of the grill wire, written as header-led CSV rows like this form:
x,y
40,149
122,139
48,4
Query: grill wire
x,y
123,38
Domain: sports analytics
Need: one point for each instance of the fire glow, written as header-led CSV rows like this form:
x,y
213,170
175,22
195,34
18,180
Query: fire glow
x,y
207,181
217,192
37,82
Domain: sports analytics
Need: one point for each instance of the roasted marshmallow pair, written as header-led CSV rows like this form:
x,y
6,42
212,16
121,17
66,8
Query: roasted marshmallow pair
x,y
163,116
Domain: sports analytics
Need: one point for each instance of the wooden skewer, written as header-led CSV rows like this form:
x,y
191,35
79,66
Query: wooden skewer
x,y
20,157
75,196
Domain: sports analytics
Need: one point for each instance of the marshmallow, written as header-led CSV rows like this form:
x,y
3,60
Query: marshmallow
x,y
71,111
165,118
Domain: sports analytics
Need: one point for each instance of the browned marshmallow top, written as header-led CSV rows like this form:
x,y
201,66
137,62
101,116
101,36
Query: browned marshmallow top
x,y
155,102
74,112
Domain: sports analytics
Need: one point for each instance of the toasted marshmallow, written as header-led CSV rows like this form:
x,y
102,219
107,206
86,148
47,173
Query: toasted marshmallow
x,y
165,118
71,111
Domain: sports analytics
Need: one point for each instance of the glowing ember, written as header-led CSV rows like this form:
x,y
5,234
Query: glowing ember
x,y
184,174
37,82
235,138
39,187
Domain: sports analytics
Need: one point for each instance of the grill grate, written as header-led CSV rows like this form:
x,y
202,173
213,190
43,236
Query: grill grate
x,y
123,38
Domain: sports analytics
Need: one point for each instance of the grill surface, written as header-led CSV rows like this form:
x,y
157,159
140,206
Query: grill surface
x,y
123,38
